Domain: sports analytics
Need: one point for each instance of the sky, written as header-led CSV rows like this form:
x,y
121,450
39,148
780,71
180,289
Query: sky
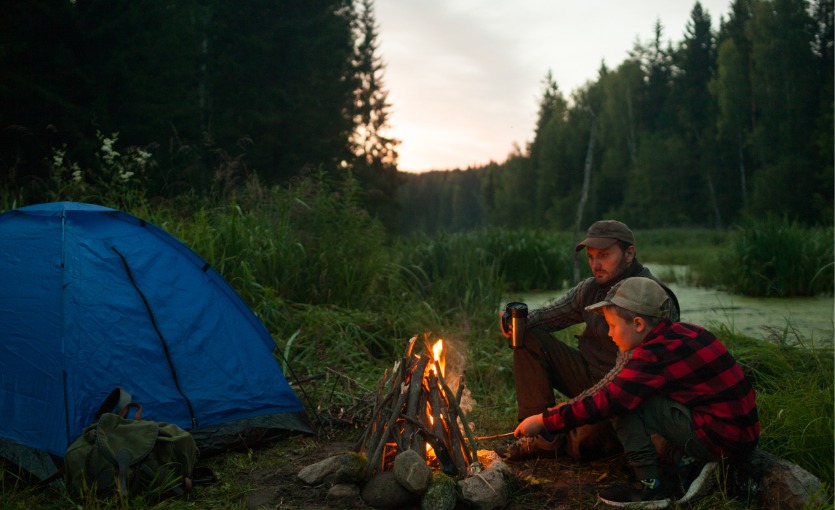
x,y
465,77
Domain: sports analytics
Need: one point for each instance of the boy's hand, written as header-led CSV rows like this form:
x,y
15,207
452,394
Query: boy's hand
x,y
530,426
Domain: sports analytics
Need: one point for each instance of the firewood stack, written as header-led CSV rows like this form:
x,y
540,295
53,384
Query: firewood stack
x,y
416,410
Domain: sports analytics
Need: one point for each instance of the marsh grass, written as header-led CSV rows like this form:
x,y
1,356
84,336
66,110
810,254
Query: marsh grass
x,y
774,257
341,301
794,384
680,247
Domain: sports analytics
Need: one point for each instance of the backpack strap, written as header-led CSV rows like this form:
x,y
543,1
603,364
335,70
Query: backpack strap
x,y
123,460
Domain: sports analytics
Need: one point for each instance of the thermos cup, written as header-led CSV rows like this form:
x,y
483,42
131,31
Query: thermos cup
x,y
515,315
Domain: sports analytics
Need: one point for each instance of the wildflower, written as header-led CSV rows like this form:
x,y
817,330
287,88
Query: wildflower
x,y
58,158
110,154
125,175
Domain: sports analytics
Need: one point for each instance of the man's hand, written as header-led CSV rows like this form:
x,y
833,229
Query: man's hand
x,y
504,324
530,426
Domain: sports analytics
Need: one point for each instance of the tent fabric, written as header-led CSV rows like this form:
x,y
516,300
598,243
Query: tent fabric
x,y
93,299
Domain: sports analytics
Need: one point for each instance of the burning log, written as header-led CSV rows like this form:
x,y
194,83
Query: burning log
x,y
416,410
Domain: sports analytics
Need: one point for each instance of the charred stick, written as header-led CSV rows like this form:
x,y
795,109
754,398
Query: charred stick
x,y
393,384
376,458
464,422
455,432
441,453
452,417
395,415
455,444
427,345
418,443
435,402
415,385
410,347
376,424
369,428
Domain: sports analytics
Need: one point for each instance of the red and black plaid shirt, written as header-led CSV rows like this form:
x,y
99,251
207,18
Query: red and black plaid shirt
x,y
687,364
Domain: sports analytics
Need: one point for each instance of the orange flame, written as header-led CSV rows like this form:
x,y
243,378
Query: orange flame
x,y
438,355
430,452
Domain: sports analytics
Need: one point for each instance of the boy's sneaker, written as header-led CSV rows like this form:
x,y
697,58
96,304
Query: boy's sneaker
x,y
529,448
646,494
696,477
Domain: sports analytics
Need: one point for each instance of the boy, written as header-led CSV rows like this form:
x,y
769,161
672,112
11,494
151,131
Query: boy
x,y
673,380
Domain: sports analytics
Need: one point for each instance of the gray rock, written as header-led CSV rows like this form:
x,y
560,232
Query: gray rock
x,y
385,492
412,472
774,483
485,490
346,468
489,459
442,493
344,496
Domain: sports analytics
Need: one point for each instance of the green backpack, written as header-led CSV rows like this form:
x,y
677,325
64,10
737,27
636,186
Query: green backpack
x,y
131,457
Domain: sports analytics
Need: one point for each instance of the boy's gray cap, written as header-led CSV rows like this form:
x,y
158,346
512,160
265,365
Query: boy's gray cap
x,y
637,294
604,233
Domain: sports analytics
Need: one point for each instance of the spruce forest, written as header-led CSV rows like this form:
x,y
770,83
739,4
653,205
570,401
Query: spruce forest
x,y
703,131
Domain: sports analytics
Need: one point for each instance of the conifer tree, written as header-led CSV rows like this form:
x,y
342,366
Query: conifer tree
x,y
786,94
695,65
375,154
731,90
546,151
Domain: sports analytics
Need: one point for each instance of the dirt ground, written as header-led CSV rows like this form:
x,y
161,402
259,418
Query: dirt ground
x,y
538,484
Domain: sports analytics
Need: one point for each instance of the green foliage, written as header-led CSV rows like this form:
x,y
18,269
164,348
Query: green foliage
x,y
794,383
775,257
525,259
677,246
453,272
276,82
314,244
117,180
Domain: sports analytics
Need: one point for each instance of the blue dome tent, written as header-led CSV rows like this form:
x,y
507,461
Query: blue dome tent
x,y
93,299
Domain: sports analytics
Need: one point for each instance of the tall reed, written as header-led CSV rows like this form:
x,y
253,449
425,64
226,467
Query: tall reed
x,y
794,385
775,257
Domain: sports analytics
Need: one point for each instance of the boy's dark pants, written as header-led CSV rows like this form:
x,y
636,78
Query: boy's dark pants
x,y
545,364
663,417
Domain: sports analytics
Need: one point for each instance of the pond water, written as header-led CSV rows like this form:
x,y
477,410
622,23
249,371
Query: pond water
x,y
810,319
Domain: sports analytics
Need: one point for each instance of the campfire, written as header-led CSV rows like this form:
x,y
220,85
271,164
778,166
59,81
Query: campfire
x,y
417,447
415,409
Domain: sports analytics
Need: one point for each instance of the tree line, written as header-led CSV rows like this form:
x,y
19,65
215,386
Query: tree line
x,y
723,125
214,90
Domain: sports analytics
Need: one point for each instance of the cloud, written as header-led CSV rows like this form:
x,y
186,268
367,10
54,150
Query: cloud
x,y
465,76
